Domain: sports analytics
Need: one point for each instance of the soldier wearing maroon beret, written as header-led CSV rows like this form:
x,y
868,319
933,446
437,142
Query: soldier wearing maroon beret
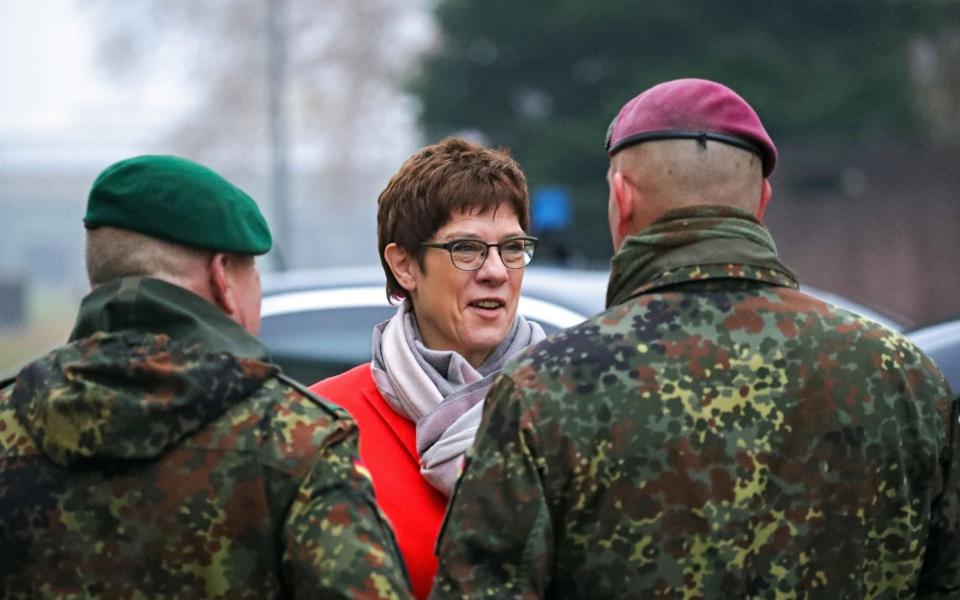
x,y
715,433
159,453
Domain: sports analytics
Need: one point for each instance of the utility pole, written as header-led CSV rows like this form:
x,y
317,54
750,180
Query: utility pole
x,y
277,64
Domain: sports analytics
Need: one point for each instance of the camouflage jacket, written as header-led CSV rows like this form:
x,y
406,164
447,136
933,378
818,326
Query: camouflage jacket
x,y
159,455
714,434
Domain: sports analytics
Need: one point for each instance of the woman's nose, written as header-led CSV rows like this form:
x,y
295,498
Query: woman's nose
x,y
492,268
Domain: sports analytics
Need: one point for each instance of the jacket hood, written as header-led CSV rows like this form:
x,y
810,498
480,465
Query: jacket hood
x,y
123,393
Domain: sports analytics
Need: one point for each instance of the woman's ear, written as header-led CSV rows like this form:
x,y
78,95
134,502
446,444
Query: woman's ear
x,y
404,266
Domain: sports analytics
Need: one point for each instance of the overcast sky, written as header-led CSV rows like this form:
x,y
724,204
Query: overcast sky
x,y
56,105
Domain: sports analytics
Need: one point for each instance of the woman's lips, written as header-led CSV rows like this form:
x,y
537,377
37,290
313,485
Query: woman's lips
x,y
488,306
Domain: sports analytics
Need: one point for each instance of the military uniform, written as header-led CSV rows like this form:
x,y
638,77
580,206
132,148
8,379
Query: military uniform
x,y
714,434
158,454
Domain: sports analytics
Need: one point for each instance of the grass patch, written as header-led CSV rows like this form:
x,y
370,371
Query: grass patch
x,y
52,311
17,347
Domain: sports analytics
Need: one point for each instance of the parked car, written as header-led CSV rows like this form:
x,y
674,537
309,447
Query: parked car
x,y
319,323
942,343
853,306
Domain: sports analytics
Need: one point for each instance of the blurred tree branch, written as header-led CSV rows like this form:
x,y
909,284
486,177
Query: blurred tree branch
x,y
935,67
343,67
546,78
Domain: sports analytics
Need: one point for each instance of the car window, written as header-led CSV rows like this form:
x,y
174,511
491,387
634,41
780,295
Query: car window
x,y
314,344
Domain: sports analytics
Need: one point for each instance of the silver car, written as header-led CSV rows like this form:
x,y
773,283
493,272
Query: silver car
x,y
320,323
942,343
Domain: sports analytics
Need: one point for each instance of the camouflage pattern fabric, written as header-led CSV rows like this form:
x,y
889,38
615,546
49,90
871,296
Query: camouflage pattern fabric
x,y
132,465
714,434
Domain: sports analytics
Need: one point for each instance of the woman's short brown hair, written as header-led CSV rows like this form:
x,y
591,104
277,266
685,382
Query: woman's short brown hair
x,y
439,180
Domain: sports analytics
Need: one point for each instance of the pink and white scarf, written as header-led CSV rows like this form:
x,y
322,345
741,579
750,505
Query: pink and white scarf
x,y
439,390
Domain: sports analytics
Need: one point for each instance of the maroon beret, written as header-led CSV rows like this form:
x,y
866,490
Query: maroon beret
x,y
693,109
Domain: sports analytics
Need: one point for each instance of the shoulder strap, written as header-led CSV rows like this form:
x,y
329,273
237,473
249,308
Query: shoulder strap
x,y
317,400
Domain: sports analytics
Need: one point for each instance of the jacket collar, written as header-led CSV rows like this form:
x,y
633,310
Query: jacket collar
x,y
692,244
146,304
148,364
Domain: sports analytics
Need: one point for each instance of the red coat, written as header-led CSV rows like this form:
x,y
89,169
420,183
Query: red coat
x,y
388,447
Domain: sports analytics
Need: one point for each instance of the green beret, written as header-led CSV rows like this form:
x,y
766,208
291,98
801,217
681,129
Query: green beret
x,y
180,201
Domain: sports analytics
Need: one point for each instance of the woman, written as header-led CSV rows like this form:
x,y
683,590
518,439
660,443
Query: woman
x,y
451,231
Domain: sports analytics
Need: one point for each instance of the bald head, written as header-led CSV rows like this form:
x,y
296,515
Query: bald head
x,y
226,280
113,253
678,173
647,180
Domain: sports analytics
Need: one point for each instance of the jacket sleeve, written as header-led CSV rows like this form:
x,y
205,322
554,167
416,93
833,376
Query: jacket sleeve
x,y
337,544
940,575
497,541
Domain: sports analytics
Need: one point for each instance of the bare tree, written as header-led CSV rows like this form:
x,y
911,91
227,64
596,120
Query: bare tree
x,y
304,98
935,66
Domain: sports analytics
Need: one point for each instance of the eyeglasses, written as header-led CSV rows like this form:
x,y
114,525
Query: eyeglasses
x,y
469,255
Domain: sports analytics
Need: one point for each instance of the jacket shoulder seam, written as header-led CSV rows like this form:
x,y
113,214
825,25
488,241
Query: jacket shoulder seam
x,y
312,397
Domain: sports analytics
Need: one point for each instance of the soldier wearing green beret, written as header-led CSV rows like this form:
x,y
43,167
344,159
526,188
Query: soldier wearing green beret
x,y
716,433
159,453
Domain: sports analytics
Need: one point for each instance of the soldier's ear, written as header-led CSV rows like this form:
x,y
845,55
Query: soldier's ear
x,y
403,265
221,290
766,192
625,195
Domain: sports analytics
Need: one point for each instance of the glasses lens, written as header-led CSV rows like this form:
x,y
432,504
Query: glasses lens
x,y
517,253
467,255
